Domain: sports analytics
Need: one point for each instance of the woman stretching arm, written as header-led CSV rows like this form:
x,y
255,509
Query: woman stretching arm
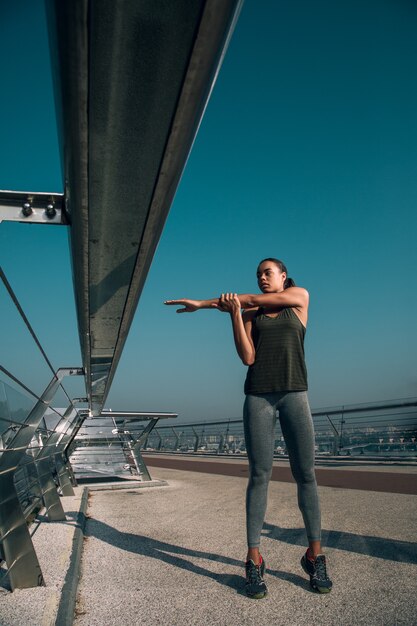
x,y
269,337
292,296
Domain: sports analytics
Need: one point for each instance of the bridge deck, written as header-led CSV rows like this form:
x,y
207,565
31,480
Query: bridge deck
x,y
174,555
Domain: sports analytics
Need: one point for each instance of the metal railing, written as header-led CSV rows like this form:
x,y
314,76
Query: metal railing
x,y
379,429
33,471
35,441
110,445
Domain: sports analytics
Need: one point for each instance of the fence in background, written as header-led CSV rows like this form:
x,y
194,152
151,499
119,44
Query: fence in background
x,y
380,428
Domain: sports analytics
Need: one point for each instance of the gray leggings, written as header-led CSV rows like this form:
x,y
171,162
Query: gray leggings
x,y
259,418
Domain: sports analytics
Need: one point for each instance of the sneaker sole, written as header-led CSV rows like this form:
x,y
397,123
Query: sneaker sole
x,y
257,596
314,587
322,589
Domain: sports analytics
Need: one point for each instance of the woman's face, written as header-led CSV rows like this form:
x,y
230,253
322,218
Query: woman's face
x,y
270,277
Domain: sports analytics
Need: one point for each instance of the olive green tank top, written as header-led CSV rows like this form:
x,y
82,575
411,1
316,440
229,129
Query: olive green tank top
x,y
279,354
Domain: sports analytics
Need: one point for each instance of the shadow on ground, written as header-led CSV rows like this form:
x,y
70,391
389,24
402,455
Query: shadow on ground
x,y
379,547
179,556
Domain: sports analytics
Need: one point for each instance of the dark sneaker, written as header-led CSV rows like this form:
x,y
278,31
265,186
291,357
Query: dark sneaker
x,y
319,580
255,586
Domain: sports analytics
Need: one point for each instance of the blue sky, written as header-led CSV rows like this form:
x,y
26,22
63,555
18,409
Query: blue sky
x,y
307,152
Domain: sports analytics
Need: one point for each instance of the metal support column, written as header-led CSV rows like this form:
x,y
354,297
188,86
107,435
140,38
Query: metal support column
x,y
134,445
53,449
135,449
65,475
51,499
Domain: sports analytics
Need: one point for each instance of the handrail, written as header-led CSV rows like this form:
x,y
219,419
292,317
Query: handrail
x,y
355,430
348,409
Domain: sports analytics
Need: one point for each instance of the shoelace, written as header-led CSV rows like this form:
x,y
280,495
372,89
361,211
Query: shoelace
x,y
254,573
320,567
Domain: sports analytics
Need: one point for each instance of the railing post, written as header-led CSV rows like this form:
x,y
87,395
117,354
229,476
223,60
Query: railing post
x,y
159,446
65,476
342,422
197,439
50,497
177,439
223,439
134,445
42,459
63,468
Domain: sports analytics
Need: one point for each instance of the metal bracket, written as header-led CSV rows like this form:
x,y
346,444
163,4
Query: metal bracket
x,y
32,206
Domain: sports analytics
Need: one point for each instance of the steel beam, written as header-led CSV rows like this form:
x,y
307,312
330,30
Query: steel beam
x,y
132,82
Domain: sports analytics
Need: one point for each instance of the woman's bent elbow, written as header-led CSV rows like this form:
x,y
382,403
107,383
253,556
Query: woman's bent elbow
x,y
248,360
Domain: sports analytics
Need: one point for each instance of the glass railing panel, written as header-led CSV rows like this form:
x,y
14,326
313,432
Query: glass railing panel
x,y
6,425
15,407
19,405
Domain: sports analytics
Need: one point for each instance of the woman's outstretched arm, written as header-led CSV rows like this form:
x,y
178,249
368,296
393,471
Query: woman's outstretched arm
x,y
291,297
189,306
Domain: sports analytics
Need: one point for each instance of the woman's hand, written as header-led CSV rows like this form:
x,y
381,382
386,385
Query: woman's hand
x,y
189,305
229,303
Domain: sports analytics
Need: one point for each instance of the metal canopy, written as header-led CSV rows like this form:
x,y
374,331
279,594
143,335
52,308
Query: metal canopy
x,y
132,80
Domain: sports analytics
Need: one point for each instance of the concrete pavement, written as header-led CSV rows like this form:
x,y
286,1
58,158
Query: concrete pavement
x,y
174,554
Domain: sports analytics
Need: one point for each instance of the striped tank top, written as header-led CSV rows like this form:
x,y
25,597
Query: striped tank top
x,y
279,354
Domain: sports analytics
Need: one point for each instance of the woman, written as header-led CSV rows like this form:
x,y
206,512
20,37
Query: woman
x,y
269,338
